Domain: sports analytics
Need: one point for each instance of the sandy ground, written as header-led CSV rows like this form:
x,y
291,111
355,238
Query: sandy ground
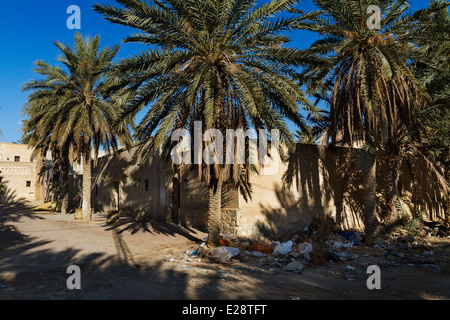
x,y
151,261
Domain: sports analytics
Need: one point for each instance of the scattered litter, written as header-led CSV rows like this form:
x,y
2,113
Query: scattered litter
x,y
282,248
347,255
305,249
261,247
343,256
339,244
256,253
225,253
312,246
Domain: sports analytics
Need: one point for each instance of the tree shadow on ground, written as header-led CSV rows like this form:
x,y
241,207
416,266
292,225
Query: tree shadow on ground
x,y
162,280
128,224
11,212
40,273
19,251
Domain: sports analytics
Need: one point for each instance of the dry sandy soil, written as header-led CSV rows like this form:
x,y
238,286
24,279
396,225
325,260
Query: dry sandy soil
x,y
151,261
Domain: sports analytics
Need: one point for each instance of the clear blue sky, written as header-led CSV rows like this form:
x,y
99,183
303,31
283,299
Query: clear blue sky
x,y
27,29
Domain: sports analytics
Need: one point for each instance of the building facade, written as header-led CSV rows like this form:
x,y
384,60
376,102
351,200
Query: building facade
x,y
20,173
282,200
311,183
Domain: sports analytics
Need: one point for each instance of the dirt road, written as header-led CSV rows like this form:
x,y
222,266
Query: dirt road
x,y
152,261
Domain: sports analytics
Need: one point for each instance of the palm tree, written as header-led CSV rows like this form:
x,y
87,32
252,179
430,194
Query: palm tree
x,y
69,110
223,62
373,90
314,132
43,132
432,67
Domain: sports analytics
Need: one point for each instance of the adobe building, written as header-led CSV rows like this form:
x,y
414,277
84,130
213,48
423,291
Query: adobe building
x,y
29,178
282,202
20,173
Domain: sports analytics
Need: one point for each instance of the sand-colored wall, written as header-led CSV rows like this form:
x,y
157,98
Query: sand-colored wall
x,y
119,183
16,174
303,187
283,201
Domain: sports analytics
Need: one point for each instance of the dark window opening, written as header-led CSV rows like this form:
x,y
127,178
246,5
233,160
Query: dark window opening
x,y
16,159
28,184
146,185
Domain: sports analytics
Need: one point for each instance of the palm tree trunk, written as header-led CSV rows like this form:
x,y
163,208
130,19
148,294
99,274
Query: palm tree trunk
x,y
64,185
388,212
86,208
370,202
55,192
215,215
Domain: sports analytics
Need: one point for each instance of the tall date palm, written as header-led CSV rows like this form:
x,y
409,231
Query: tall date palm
x,y
71,107
373,90
42,132
226,63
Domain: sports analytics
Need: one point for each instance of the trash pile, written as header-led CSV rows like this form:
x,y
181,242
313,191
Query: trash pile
x,y
435,229
291,255
288,255
317,245
340,244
